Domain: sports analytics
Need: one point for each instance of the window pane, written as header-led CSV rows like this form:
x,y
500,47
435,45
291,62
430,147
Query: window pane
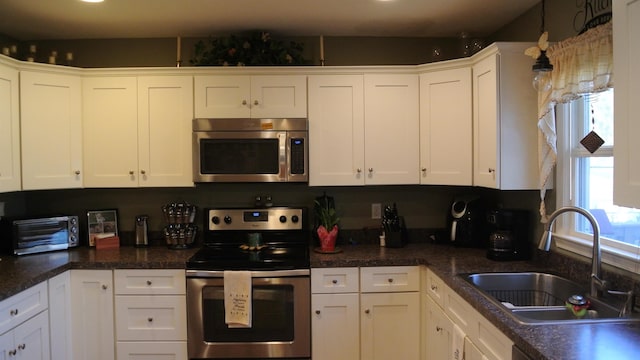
x,y
594,179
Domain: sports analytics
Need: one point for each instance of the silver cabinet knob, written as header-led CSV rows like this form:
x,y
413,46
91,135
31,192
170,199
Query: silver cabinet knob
x,y
256,102
150,319
149,282
77,172
390,280
334,281
244,102
22,346
424,169
438,328
143,172
317,312
104,287
13,312
131,172
370,170
13,352
434,288
358,170
491,170
367,311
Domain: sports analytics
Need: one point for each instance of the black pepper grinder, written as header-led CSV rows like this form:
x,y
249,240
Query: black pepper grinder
x,y
141,231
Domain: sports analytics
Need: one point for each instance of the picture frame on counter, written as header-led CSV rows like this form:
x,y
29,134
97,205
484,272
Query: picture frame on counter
x,y
102,224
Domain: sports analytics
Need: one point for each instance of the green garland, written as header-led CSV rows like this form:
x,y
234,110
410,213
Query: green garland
x,y
255,49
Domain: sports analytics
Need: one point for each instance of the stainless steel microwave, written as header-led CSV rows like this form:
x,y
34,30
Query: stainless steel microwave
x,y
36,235
250,150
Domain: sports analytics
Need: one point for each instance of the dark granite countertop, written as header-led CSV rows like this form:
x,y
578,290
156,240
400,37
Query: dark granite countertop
x,y
581,341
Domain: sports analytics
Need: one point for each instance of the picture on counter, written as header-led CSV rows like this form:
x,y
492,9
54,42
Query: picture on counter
x,y
103,223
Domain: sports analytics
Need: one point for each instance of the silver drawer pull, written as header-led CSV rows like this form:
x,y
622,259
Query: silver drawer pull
x,y
150,319
390,280
317,312
104,287
13,312
22,346
334,281
149,282
434,288
367,311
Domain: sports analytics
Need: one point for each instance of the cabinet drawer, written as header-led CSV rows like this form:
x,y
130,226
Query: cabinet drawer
x,y
389,279
334,280
151,350
157,317
150,282
22,306
435,288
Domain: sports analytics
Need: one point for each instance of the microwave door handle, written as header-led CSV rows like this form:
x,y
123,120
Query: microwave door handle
x,y
282,156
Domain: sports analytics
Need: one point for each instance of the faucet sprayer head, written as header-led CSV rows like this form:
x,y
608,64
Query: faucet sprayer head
x,y
545,241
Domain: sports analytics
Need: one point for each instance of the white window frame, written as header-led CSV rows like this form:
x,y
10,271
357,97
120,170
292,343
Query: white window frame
x,y
616,254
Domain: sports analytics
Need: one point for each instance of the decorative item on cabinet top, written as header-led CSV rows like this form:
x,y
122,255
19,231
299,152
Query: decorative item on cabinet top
x,y
257,48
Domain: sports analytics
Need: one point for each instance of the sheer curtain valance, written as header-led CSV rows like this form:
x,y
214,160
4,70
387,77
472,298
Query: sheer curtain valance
x,y
582,64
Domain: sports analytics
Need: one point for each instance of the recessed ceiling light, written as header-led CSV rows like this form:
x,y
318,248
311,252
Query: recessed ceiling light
x,y
92,1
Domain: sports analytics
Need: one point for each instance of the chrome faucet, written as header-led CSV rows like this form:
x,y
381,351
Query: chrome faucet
x,y
597,283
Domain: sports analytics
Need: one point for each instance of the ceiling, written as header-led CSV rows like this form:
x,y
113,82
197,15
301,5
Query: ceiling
x,y
73,19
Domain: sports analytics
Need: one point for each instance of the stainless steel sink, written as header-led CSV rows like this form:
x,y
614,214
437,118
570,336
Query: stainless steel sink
x,y
539,298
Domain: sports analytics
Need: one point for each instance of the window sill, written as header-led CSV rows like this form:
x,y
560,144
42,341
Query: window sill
x,y
613,256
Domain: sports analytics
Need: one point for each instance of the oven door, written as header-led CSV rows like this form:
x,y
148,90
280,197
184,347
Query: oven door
x,y
280,317
240,156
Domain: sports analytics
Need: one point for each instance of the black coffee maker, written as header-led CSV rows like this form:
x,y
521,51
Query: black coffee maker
x,y
509,234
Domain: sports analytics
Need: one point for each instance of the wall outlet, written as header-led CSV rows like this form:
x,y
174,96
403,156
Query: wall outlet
x,y
376,211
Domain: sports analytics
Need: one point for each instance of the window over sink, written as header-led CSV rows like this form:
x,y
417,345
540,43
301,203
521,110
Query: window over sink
x,y
585,179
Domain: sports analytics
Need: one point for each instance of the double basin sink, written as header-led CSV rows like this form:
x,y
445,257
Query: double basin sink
x,y
535,298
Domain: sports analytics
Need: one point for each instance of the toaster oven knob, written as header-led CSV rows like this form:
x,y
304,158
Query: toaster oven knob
x,y
215,220
283,219
227,219
295,218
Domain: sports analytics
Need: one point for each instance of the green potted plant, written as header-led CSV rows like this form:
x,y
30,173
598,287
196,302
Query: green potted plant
x,y
327,230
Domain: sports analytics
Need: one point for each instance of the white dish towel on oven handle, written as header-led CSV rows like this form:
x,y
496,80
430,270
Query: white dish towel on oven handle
x,y
237,299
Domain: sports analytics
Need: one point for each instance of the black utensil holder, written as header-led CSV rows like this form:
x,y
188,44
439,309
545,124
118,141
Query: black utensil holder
x,y
395,239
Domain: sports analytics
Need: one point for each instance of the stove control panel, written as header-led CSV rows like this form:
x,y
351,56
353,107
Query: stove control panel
x,y
274,218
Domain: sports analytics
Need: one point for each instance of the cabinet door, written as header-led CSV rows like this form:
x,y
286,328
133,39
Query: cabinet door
x,y
60,316
446,127
110,118
92,317
51,126
336,130
626,190
165,114
222,96
439,330
281,96
9,130
31,338
485,123
6,346
390,326
391,143
335,326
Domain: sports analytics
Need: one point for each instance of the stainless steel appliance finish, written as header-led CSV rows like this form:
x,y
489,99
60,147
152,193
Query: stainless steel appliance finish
x,y
250,150
36,235
141,230
273,245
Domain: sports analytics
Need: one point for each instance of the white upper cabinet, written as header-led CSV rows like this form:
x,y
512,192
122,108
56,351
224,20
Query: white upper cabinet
x,y
246,96
446,151
9,129
626,54
51,130
151,118
110,108
392,124
505,132
336,130
363,129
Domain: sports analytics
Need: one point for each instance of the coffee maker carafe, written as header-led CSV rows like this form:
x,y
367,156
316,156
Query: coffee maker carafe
x,y
509,234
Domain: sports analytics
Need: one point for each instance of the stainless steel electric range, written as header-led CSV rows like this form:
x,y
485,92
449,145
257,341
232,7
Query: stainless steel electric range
x,y
273,245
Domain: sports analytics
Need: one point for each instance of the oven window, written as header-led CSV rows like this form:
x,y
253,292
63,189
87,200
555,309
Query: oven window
x,y
272,311
239,156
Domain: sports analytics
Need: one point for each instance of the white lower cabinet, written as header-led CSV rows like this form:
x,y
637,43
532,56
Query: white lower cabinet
x,y
92,318
24,325
366,313
151,315
444,313
60,316
29,340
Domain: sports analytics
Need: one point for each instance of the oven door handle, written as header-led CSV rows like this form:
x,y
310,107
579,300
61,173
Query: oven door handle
x,y
254,274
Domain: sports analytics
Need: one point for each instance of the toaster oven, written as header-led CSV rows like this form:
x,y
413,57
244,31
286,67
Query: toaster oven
x,y
36,235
